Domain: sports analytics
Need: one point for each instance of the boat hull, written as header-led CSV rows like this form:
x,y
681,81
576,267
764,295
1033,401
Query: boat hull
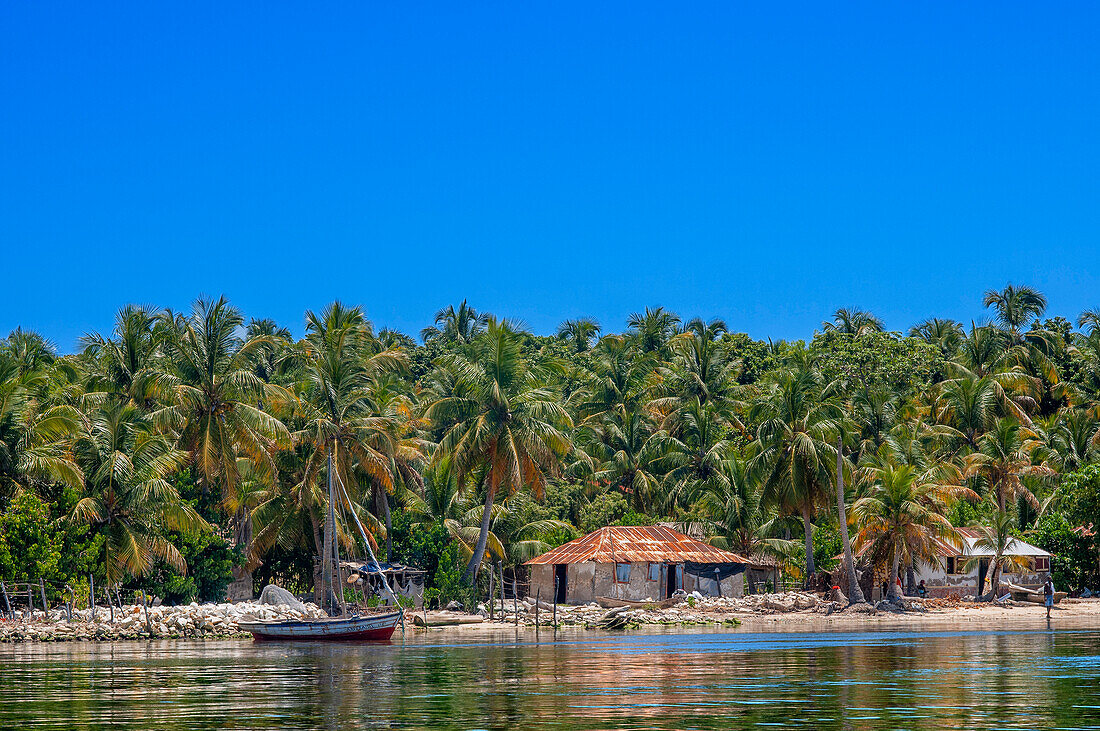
x,y
369,628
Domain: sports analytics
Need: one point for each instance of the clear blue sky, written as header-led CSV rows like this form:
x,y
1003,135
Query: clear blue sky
x,y
761,162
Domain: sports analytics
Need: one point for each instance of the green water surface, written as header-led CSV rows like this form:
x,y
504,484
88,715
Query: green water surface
x,y
949,680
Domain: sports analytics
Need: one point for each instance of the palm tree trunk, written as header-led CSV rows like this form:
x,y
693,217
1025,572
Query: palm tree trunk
x,y
318,571
892,591
995,579
855,594
240,589
808,528
482,539
389,526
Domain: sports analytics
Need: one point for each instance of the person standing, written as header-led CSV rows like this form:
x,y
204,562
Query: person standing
x,y
1048,595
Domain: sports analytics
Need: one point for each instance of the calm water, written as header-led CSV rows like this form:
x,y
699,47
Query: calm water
x,y
664,681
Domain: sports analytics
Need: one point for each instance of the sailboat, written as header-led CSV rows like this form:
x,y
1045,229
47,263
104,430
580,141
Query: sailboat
x,y
346,627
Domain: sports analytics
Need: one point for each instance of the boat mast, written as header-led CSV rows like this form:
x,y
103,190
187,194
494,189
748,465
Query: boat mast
x,y
332,552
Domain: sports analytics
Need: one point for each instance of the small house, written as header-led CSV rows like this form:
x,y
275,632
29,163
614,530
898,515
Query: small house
x,y
957,574
635,563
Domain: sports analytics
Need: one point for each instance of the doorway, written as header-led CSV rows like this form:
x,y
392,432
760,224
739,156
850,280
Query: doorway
x,y
559,582
673,579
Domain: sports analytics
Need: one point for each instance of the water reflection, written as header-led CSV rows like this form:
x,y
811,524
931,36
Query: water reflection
x,y
664,681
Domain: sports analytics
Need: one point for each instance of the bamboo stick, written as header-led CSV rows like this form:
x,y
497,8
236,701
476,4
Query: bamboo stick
x,y
145,605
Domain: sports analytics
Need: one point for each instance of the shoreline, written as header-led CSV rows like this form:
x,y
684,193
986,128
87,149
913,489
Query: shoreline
x,y
1070,614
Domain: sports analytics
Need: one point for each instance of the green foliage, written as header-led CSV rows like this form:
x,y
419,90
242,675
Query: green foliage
x,y
1074,564
876,360
827,545
1079,496
633,518
210,561
448,583
421,546
30,542
670,419
607,509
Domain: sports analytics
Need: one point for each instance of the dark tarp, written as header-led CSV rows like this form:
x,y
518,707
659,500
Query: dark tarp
x,y
706,570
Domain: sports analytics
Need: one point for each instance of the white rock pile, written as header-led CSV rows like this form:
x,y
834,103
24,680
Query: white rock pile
x,y
131,622
694,609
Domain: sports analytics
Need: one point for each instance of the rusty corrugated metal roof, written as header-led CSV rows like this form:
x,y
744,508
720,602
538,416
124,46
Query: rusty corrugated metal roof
x,y
629,544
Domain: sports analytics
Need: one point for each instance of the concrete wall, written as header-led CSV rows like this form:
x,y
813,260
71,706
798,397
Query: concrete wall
x,y
941,584
586,581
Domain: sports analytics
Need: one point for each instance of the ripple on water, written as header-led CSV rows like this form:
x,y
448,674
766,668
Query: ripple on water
x,y
949,680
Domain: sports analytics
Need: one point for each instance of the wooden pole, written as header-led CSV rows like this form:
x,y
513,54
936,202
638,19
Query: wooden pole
x,y
538,592
91,595
42,589
555,600
500,565
7,602
515,598
30,601
69,603
145,605
492,599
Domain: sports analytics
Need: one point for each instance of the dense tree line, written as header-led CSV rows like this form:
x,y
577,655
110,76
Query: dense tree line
x,y
184,451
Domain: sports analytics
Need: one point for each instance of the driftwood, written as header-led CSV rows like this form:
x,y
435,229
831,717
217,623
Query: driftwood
x,y
616,618
446,619
610,603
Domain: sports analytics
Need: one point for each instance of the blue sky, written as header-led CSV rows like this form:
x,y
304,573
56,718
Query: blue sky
x,y
764,163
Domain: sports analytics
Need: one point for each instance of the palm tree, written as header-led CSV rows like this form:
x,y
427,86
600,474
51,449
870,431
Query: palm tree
x,y
615,376
211,394
127,495
853,322
28,350
793,453
736,518
653,328
701,371
504,426
1015,306
121,365
1004,455
1091,319
995,536
696,456
272,344
1070,439
625,451
341,417
212,400
460,325
945,334
35,435
902,519
579,332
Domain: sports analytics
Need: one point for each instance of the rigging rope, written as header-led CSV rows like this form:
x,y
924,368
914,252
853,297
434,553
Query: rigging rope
x,y
363,532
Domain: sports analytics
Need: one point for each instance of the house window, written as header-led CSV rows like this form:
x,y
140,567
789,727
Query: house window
x,y
679,576
1042,563
956,564
654,572
622,572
